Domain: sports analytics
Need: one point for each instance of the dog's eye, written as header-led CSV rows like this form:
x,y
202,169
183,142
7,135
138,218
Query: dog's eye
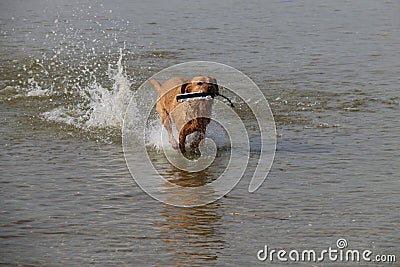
x,y
200,83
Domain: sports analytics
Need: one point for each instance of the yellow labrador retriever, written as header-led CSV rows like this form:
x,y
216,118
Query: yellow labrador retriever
x,y
189,117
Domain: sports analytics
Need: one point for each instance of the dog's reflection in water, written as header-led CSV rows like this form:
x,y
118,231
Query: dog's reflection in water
x,y
187,179
190,236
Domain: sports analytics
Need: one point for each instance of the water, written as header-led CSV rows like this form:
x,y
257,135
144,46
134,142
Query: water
x,y
329,70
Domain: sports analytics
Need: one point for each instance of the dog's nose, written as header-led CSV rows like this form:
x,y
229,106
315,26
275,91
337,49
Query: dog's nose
x,y
211,90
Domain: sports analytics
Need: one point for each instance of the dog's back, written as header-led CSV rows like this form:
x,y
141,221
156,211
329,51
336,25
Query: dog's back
x,y
167,92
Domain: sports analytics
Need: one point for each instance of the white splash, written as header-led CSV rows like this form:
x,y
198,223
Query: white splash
x,y
101,107
157,136
107,107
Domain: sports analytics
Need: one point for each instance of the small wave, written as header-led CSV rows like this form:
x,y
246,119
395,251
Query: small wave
x,y
35,89
64,115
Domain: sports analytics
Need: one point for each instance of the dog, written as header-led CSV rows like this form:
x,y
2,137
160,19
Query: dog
x,y
189,117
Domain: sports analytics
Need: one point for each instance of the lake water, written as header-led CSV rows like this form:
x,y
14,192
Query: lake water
x,y
329,70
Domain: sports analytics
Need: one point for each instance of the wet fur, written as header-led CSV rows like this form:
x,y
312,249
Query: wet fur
x,y
189,117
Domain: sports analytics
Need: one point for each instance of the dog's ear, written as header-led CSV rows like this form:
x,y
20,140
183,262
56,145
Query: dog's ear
x,y
216,87
183,88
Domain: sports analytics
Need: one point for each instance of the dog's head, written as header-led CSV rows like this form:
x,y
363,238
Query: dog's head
x,y
203,84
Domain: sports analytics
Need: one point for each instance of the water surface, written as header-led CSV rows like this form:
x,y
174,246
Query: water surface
x,y
329,69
